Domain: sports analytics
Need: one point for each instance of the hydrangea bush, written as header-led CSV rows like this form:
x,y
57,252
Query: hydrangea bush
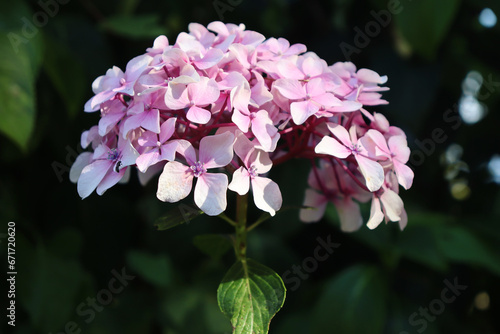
x,y
216,110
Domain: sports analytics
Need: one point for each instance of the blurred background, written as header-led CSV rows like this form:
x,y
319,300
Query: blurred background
x,y
100,266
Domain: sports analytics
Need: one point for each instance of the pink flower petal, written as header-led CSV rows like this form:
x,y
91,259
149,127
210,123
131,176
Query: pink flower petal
x,y
203,92
147,159
399,147
404,173
175,182
341,133
291,89
240,182
176,96
187,151
210,193
372,172
376,214
393,205
217,150
211,58
302,110
331,146
81,161
317,202
266,194
91,176
198,115
110,179
349,214
151,120
167,129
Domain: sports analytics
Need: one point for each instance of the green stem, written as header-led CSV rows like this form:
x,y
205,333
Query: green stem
x,y
240,244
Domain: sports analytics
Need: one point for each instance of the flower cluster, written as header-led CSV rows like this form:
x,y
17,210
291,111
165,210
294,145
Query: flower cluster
x,y
223,101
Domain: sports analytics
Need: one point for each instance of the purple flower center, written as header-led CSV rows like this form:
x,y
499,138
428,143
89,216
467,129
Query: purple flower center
x,y
252,171
113,154
355,149
198,169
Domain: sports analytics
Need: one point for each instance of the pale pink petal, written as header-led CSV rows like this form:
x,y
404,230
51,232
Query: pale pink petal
x,y
331,146
266,194
376,214
367,75
240,182
243,148
167,129
302,110
147,159
317,203
175,182
110,179
204,92
187,151
327,100
260,161
81,161
378,141
341,133
107,122
168,151
263,129
211,58
315,86
404,219
128,155
399,147
91,176
372,172
404,173
392,204
346,106
210,193
198,115
349,214
291,89
217,150
151,120
241,120
312,67
289,70
176,96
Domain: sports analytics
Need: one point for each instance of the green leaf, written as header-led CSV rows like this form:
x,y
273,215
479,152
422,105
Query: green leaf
x,y
156,269
460,245
19,63
410,246
250,294
183,213
352,302
214,245
424,23
137,26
